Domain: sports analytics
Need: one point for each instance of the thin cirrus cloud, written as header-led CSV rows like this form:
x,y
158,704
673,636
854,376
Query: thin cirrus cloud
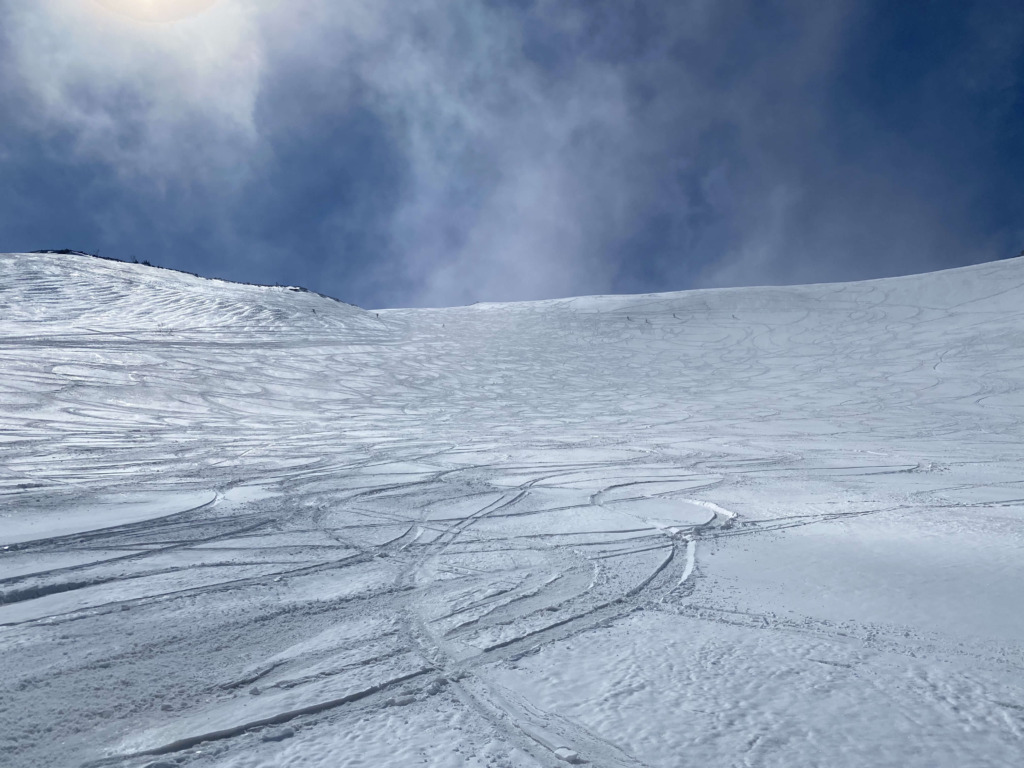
x,y
440,152
157,11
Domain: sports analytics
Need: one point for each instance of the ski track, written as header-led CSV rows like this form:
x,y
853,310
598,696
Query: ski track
x,y
452,526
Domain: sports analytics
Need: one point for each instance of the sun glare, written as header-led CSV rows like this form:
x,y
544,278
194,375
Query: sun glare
x,y
157,10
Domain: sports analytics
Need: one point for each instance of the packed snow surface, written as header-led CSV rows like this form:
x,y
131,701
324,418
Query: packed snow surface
x,y
249,526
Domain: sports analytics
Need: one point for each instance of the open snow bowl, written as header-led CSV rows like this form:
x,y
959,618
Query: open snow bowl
x,y
22,526
485,535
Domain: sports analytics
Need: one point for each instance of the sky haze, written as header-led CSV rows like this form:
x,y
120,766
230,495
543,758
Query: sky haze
x,y
395,153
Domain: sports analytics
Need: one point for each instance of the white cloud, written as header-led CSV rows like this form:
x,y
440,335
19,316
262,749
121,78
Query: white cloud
x,y
524,173
151,100
511,175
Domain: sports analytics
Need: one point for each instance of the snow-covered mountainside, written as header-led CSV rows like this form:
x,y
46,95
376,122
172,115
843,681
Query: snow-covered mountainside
x,y
252,526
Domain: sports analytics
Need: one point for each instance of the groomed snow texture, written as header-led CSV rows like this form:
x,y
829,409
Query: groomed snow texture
x,y
252,526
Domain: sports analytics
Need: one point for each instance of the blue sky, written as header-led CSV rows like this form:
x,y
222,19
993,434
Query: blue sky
x,y
425,152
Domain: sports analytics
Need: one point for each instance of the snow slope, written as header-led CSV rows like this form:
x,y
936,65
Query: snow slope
x,y
253,526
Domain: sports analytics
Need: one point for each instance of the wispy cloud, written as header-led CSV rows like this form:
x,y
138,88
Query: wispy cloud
x,y
438,152
153,101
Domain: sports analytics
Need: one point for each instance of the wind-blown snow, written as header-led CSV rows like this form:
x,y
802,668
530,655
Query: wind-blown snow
x,y
253,526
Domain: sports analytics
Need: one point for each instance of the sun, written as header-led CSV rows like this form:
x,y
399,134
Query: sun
x,y
157,10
